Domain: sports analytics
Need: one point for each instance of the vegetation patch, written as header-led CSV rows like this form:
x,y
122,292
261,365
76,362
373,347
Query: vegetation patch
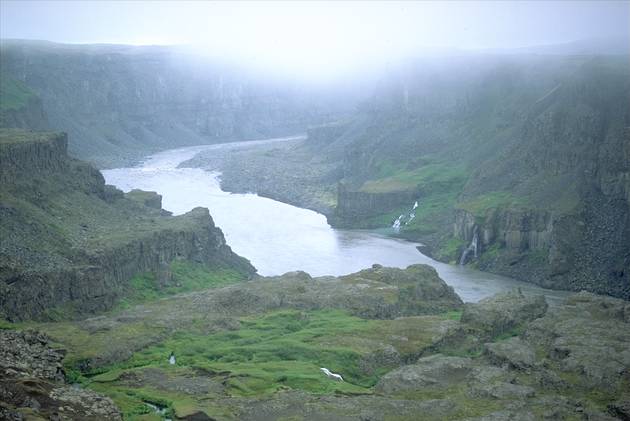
x,y
186,277
450,250
431,213
260,356
494,200
14,95
428,178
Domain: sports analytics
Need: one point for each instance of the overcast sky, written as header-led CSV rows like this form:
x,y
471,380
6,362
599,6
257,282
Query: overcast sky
x,y
315,34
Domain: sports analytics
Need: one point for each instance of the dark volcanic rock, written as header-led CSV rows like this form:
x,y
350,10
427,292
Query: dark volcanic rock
x,y
27,354
436,371
590,336
502,312
514,351
68,241
32,383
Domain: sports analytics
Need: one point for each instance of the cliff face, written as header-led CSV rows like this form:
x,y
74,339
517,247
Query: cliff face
x,y
71,242
355,206
568,215
515,230
119,102
530,153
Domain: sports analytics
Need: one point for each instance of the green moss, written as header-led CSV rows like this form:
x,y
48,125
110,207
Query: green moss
x,y
186,277
515,331
268,353
494,200
4,324
431,213
431,177
450,250
58,313
453,315
279,349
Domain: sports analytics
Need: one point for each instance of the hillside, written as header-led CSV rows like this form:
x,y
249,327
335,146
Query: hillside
x,y
70,244
19,106
528,154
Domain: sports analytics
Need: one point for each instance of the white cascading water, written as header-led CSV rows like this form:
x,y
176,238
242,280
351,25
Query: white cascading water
x,y
397,222
404,218
472,247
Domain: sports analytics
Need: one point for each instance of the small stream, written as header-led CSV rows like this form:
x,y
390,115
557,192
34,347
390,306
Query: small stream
x,y
278,238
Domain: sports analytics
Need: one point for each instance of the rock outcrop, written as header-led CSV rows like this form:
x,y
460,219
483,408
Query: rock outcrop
x,y
508,358
354,207
70,242
379,293
503,312
32,383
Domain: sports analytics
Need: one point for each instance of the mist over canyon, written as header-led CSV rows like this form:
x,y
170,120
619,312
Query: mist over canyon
x,y
315,211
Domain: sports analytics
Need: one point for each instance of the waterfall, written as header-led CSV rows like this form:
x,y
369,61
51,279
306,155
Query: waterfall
x,y
472,247
405,218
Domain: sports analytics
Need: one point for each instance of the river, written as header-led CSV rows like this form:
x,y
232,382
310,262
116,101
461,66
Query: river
x,y
278,238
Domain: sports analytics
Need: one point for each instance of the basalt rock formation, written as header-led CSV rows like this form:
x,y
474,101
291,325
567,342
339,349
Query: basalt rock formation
x,y
33,385
71,243
531,153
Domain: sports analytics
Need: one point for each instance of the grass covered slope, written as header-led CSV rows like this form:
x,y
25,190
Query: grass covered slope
x,y
70,241
19,105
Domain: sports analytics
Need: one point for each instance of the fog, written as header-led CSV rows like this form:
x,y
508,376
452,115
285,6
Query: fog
x,y
317,40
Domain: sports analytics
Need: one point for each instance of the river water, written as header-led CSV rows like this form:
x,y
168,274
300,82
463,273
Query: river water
x,y
279,238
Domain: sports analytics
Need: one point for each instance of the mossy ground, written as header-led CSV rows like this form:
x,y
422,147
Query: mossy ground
x,y
186,277
262,355
494,200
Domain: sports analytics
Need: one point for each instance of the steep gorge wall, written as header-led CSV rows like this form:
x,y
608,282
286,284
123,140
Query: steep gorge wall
x,y
120,102
96,285
354,206
539,152
29,116
85,272
570,169
515,230
42,152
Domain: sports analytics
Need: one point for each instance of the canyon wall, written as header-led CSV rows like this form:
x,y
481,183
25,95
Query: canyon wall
x,y
71,242
120,102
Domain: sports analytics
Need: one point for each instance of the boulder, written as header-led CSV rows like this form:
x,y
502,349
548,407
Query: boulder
x,y
32,384
504,390
620,409
436,371
503,312
589,337
513,351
